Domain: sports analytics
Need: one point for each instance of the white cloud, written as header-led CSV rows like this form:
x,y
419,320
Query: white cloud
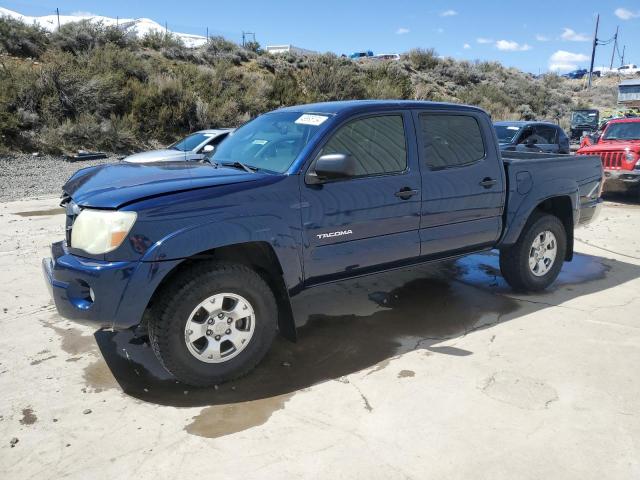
x,y
449,13
484,40
563,60
83,14
542,38
402,31
624,14
511,46
572,36
466,46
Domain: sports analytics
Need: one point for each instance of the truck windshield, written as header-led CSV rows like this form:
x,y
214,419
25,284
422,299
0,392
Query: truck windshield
x,y
270,142
622,131
506,133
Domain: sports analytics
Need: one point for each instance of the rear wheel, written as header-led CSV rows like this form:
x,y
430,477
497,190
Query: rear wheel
x,y
535,260
213,323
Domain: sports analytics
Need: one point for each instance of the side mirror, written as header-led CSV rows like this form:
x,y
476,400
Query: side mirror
x,y
208,149
530,142
333,166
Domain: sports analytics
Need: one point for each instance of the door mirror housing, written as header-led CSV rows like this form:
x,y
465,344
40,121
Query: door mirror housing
x,y
208,149
333,166
530,142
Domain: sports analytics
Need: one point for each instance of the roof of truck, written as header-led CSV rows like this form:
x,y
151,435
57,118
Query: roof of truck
x,y
523,123
353,106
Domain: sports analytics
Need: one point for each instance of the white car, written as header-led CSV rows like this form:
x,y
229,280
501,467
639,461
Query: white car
x,y
629,69
195,147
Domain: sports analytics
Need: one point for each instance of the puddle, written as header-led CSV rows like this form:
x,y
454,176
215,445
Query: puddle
x,y
484,270
351,326
41,213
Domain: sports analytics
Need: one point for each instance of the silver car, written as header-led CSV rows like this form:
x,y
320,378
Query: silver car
x,y
192,148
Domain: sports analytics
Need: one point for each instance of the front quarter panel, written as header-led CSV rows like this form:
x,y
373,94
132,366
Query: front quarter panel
x,y
189,223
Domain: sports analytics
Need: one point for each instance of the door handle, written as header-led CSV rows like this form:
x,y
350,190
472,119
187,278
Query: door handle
x,y
488,182
406,193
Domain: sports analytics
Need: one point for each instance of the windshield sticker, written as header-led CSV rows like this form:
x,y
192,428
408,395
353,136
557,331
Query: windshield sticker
x,y
260,142
513,128
309,119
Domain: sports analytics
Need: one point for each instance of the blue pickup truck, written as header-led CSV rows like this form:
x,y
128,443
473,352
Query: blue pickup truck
x,y
209,255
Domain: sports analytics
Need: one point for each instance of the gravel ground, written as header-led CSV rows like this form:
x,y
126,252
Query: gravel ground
x,y
26,176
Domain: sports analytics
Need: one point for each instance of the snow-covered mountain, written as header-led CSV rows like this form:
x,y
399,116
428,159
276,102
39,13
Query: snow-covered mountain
x,y
141,26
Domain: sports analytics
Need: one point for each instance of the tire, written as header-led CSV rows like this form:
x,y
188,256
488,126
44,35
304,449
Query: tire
x,y
515,260
179,312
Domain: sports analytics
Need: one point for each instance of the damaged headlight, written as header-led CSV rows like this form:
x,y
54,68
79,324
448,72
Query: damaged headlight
x,y
101,231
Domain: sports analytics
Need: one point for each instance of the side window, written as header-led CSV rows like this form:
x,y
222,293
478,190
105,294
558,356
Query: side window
x,y
450,140
545,134
376,143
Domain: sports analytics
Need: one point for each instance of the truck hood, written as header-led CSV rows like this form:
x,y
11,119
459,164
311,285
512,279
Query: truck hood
x,y
166,155
113,185
612,145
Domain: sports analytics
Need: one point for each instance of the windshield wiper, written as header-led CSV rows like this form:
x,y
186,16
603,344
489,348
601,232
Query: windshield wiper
x,y
241,165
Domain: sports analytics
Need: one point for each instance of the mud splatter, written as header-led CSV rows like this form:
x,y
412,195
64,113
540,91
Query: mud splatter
x,y
406,374
41,213
39,361
28,417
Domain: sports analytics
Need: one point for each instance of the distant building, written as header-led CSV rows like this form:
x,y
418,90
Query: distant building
x,y
274,49
629,93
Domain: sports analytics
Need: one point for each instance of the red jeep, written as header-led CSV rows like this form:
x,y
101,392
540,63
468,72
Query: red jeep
x,y
619,148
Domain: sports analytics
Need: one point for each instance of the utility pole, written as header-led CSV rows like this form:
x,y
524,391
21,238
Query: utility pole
x,y
593,51
166,29
615,47
622,58
58,15
117,21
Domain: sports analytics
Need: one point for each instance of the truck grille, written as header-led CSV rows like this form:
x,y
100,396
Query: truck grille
x,y
612,160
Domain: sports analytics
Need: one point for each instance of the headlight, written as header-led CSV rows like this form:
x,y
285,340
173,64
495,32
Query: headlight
x,y
101,231
629,156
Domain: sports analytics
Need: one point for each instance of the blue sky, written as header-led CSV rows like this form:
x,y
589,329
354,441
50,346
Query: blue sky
x,y
534,36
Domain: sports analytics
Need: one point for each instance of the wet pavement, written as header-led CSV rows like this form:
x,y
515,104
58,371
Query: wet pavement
x,y
433,362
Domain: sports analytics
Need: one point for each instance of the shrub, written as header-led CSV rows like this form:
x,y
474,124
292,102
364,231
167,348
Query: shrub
x,y
84,35
158,40
22,40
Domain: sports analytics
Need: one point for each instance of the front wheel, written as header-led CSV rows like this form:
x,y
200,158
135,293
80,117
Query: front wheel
x,y
213,323
534,261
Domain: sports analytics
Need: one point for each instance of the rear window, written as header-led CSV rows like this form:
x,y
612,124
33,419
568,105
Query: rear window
x,y
450,140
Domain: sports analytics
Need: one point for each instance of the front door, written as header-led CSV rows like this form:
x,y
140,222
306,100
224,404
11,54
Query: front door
x,y
371,220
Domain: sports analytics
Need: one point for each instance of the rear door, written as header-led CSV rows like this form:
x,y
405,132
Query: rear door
x,y
369,221
462,182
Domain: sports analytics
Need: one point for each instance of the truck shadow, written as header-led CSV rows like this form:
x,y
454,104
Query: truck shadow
x,y
363,323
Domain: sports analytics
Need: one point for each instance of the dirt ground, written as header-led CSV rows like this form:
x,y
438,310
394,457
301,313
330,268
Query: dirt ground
x,y
433,372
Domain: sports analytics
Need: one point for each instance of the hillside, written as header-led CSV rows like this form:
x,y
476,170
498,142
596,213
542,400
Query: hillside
x,y
99,87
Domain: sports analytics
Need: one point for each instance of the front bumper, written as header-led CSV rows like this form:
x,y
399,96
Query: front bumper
x,y
100,293
621,180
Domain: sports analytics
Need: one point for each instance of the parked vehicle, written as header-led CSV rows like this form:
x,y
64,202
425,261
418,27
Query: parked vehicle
x,y
629,69
210,254
363,54
584,122
387,56
194,147
523,136
619,148
577,74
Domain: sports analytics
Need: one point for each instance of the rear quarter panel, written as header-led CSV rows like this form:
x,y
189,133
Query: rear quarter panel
x,y
532,181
